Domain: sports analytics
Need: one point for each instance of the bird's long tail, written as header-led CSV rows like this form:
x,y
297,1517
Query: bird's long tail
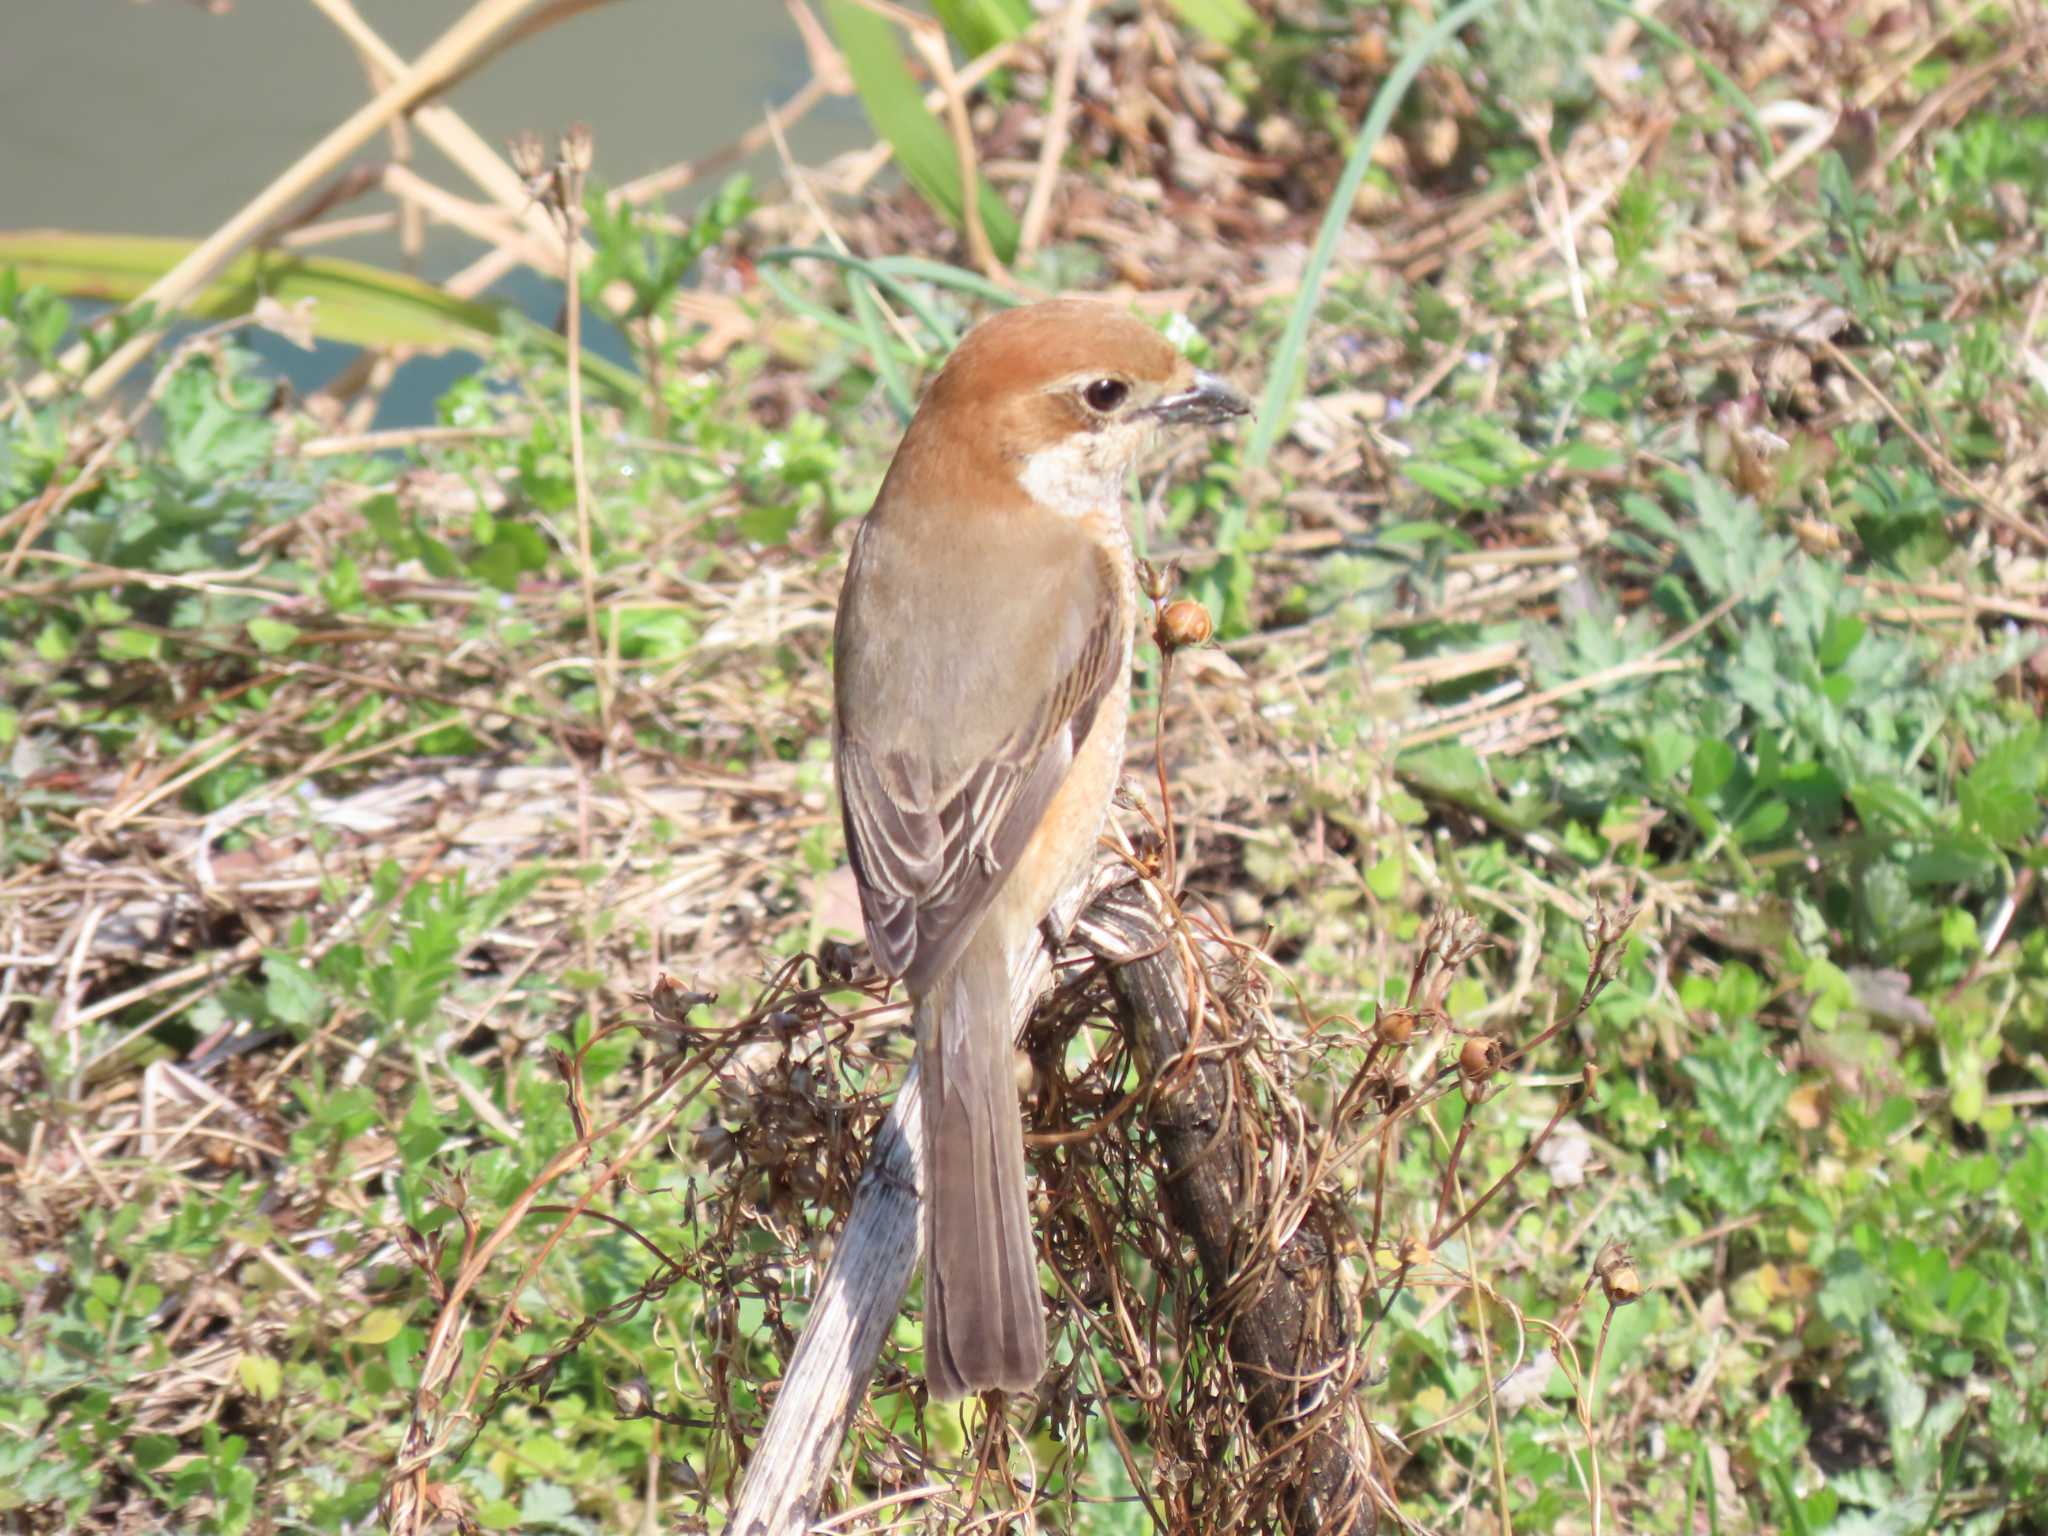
x,y
984,1323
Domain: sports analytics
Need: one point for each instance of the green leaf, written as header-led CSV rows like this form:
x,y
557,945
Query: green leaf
x,y
1225,589
130,645
44,327
1453,771
1889,807
1447,482
261,1376
1713,765
388,523
291,992
979,25
354,302
895,105
1763,823
272,635
378,1327
501,563
1953,858
55,642
1228,22
768,525
2000,795
1839,640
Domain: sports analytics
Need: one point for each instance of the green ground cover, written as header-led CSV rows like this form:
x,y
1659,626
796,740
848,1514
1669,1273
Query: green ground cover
x,y
1656,525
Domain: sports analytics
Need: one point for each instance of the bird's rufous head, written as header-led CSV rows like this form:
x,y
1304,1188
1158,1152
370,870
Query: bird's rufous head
x,y
1059,398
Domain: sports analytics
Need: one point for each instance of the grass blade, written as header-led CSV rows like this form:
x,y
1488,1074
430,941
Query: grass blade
x,y
1728,90
1227,22
354,303
880,274
979,25
1287,363
895,105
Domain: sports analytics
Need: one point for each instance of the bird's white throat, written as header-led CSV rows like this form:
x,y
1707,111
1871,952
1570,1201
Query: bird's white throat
x,y
1080,476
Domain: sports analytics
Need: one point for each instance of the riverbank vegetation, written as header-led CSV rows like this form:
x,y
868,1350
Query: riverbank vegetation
x,y
422,1021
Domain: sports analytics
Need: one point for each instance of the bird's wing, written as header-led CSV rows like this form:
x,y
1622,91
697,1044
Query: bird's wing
x,y
930,857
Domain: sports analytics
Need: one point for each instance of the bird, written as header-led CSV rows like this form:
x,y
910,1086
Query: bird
x,y
982,655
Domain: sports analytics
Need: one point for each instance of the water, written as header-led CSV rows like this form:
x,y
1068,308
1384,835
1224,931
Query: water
x,y
159,118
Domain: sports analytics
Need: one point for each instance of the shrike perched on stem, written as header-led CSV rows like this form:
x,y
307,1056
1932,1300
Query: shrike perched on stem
x,y
983,655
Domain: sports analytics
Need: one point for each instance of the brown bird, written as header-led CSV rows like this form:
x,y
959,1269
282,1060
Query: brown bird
x,y
983,679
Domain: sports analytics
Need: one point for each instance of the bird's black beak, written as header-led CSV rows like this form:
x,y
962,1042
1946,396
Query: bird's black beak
x,y
1202,404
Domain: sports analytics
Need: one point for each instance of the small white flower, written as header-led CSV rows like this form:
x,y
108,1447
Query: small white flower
x,y
774,456
1180,330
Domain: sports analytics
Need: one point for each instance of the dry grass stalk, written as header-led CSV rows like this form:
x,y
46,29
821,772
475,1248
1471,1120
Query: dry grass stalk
x,y
427,74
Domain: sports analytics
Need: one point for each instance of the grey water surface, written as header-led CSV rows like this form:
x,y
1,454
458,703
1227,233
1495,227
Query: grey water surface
x,y
164,117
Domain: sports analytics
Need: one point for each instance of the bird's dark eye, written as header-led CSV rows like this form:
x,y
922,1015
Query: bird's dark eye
x,y
1105,395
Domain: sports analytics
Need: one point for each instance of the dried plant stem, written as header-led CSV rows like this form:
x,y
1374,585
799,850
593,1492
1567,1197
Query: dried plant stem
x,y
1943,466
1596,1497
601,669
421,79
1169,876
1607,677
493,264
1052,146
1565,1106
930,40
1477,1291
1277,1334
480,221
445,129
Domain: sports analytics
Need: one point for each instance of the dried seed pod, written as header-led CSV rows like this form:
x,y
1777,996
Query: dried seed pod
x,y
837,959
1183,623
1480,1058
579,148
1395,1026
527,155
1155,581
670,1001
1622,1285
633,1399
1391,1093
683,1474
1619,1281
715,1145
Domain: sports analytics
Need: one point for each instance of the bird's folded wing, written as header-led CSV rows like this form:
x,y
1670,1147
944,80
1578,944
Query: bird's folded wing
x,y
930,857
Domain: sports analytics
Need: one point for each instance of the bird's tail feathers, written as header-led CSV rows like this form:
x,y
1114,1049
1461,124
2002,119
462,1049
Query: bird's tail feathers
x,y
984,1318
